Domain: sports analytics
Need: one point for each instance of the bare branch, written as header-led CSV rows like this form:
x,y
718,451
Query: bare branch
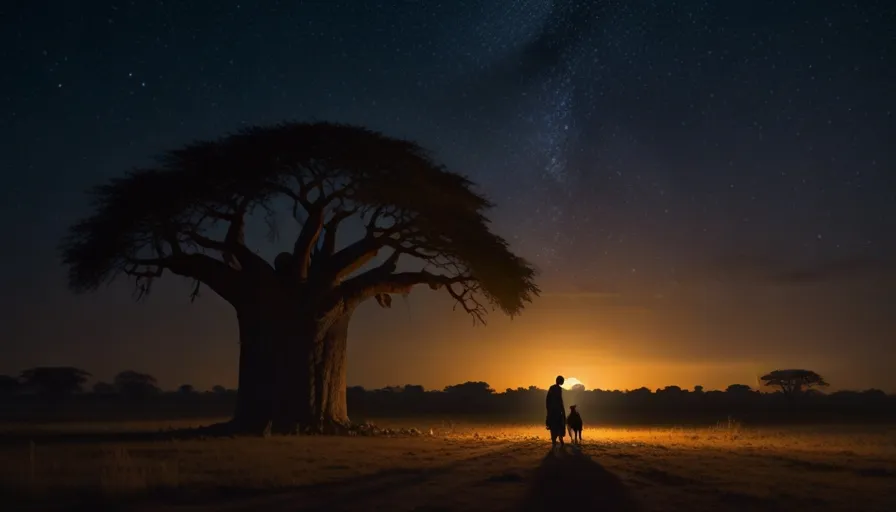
x,y
350,258
375,216
214,273
299,198
467,299
236,254
332,227
195,293
214,213
383,280
323,251
206,242
169,235
302,249
143,279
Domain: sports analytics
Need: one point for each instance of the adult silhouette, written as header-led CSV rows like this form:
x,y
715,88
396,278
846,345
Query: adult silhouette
x,y
556,412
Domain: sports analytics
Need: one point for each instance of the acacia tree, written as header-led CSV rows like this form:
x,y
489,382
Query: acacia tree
x,y
738,389
136,385
55,381
188,215
792,382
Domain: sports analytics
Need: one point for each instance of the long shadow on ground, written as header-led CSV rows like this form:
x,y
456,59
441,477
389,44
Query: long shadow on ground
x,y
567,477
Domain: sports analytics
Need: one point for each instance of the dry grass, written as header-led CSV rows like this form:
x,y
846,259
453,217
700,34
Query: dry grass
x,y
474,467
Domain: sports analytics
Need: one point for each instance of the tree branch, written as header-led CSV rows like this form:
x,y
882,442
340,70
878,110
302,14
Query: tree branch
x,y
354,256
206,242
350,258
233,248
383,280
332,227
317,222
143,278
323,251
308,236
236,238
213,273
214,213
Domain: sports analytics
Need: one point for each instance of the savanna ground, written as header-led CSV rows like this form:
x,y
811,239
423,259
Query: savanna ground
x,y
466,466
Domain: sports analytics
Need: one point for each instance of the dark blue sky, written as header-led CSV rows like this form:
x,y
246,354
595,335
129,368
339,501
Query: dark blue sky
x,y
701,183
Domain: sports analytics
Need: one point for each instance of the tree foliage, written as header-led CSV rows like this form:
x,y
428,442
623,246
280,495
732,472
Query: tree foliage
x,y
104,388
738,388
136,385
792,382
55,381
470,388
188,214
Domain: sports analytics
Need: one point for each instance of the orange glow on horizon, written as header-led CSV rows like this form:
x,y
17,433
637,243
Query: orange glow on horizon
x,y
569,382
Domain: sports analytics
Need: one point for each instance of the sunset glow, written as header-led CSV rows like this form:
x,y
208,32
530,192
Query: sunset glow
x,y
570,382
655,268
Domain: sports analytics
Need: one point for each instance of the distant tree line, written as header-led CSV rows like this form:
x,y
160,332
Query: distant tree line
x,y
790,395
787,395
60,382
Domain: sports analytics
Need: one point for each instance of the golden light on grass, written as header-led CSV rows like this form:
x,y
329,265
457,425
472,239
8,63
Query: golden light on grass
x,y
847,453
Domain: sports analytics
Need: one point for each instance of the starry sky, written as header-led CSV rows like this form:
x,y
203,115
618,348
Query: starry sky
x,y
708,188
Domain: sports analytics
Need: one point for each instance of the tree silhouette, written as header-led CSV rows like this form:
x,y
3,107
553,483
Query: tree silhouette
x,y
104,388
186,389
55,381
136,385
415,389
470,389
188,216
792,382
738,388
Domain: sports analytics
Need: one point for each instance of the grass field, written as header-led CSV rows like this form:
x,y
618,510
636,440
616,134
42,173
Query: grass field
x,y
460,467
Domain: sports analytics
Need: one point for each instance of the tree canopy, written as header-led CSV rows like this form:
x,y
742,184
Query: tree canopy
x,y
738,388
135,384
793,381
55,381
166,218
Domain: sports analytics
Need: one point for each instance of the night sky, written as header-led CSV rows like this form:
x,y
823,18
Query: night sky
x,y
708,188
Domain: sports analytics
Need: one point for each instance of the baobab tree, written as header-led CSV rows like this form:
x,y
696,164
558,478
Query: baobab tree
x,y
187,216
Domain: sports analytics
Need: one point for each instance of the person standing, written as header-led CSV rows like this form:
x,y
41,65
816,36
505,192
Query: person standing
x,y
556,413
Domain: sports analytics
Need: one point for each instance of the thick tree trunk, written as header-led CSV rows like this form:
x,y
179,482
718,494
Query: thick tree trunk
x,y
329,370
292,371
255,395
